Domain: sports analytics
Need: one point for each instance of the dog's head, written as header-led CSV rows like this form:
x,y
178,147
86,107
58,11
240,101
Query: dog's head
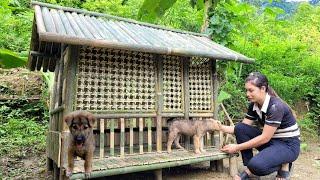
x,y
213,125
80,124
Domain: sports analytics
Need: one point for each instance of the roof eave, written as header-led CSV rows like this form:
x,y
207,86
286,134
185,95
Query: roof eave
x,y
66,39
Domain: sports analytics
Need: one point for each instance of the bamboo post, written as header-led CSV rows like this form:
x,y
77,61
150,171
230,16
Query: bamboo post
x,y
233,168
122,137
101,138
186,63
208,139
112,137
141,135
149,135
159,97
158,174
217,135
131,135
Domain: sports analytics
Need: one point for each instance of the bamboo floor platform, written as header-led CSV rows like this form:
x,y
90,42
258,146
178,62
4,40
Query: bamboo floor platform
x,y
109,166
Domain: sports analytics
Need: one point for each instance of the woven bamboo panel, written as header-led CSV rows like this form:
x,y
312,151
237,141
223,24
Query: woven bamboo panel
x,y
200,85
115,80
172,84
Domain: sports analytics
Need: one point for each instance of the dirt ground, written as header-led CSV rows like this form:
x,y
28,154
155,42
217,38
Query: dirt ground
x,y
307,166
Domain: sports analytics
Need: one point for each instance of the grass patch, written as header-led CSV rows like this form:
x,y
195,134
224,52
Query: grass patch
x,y
21,137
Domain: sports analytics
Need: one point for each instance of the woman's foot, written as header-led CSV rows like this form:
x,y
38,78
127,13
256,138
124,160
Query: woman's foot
x,y
284,172
243,176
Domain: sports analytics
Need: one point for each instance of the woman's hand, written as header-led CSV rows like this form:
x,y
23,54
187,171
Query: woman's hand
x,y
230,148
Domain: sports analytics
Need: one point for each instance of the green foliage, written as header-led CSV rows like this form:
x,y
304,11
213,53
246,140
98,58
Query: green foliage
x,y
154,9
115,7
286,50
9,59
304,147
199,4
22,127
182,16
23,108
19,137
223,96
15,25
308,127
67,3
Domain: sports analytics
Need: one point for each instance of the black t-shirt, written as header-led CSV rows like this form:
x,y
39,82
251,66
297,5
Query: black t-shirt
x,y
278,114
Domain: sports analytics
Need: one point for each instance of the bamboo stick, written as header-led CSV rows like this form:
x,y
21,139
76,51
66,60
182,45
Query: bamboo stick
x,y
121,137
112,137
159,98
141,135
131,135
186,96
101,138
149,134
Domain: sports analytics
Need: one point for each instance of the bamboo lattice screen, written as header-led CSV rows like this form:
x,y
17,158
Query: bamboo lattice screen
x,y
115,80
125,81
200,85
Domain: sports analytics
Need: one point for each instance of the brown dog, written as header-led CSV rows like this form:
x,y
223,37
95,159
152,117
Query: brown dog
x,y
195,128
82,142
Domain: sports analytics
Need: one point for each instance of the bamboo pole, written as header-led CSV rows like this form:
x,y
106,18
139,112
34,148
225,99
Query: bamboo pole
x,y
186,63
159,98
123,115
158,174
131,135
233,168
149,121
122,137
112,137
101,138
227,114
141,135
217,135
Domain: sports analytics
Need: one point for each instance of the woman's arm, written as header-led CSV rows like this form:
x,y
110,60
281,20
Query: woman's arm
x,y
230,129
265,137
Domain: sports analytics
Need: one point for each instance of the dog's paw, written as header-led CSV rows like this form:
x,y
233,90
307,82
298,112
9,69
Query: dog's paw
x,y
197,152
180,147
87,175
202,150
169,151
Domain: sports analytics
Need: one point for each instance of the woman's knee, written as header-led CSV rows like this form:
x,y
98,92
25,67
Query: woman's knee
x,y
258,167
240,129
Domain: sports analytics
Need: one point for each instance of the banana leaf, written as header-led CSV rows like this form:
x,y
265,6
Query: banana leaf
x,y
9,59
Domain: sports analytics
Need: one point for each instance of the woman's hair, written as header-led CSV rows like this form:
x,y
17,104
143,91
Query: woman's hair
x,y
259,80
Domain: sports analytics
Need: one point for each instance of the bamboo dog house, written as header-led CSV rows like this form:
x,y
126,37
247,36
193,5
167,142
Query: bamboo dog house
x,y
132,76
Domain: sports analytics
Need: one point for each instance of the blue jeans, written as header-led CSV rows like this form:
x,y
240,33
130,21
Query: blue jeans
x,y
271,155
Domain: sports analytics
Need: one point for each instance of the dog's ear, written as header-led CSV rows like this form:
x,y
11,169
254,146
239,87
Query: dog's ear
x,y
68,119
91,119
